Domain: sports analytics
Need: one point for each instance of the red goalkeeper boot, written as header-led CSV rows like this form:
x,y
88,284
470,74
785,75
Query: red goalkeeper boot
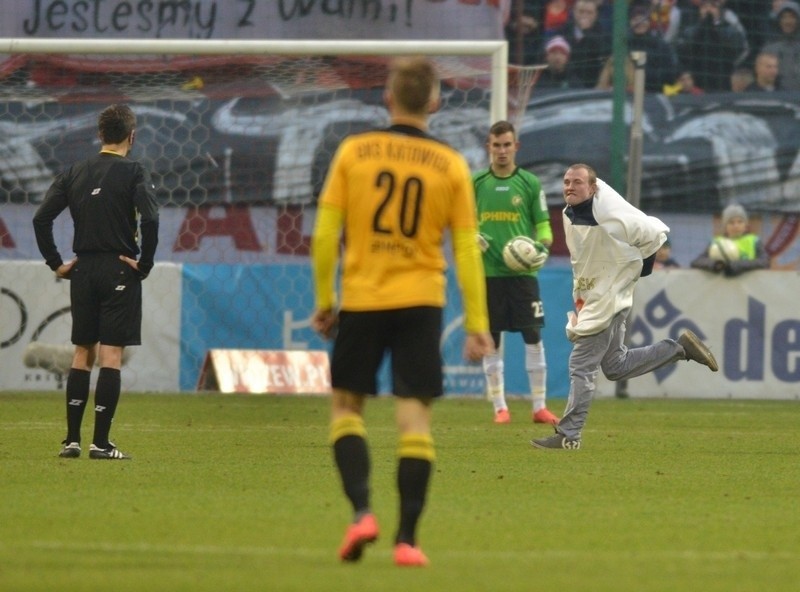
x,y
544,416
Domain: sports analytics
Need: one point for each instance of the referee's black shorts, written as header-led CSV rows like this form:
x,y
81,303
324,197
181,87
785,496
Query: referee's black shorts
x,y
106,301
514,303
410,335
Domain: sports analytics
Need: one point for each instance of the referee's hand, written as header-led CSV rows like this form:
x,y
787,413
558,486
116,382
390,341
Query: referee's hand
x,y
132,262
135,264
65,269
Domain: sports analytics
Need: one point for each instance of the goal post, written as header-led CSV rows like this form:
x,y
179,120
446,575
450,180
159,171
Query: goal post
x,y
496,50
237,135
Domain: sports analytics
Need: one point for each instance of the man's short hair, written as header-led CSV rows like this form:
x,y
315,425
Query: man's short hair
x,y
502,127
115,124
592,174
413,82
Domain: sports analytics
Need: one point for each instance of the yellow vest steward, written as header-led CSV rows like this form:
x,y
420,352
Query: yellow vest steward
x,y
399,193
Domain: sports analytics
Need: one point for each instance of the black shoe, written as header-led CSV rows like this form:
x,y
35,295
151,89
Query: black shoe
x,y
557,441
110,453
70,450
696,350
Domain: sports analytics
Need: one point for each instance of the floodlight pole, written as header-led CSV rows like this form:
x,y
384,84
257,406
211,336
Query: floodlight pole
x,y
634,184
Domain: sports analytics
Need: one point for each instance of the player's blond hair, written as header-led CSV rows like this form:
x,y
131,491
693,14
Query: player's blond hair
x,y
414,83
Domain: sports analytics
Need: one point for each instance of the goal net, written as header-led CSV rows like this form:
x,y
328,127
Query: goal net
x,y
238,136
521,80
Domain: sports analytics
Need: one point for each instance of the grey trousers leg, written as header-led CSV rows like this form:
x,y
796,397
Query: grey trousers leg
x,y
607,351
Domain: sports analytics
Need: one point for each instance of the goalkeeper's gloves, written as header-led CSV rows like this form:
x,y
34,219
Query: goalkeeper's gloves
x,y
541,257
483,242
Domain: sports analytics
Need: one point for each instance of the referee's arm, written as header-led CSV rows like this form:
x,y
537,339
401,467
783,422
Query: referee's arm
x,y
147,206
54,203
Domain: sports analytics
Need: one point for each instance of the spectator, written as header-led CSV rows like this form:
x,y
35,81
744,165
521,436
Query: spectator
x,y
756,19
749,253
664,258
773,32
741,77
524,33
605,81
662,64
556,15
605,14
787,45
766,74
711,44
559,74
665,19
684,85
590,43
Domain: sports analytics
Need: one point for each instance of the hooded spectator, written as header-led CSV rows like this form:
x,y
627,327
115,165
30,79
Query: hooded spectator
x,y
787,45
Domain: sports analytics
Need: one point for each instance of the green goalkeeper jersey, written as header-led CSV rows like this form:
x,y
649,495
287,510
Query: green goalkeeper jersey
x,y
508,207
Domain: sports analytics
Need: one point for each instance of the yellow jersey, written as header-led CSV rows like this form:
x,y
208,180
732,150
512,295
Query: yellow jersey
x,y
398,190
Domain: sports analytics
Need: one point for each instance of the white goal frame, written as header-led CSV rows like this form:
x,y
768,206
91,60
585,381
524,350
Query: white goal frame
x,y
496,50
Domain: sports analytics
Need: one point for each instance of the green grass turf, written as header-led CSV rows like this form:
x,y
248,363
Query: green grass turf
x,y
239,493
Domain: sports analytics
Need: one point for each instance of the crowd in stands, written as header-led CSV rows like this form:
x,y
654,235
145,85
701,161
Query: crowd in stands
x,y
692,46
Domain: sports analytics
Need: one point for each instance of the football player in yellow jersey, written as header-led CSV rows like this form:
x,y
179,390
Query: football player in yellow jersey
x,y
393,194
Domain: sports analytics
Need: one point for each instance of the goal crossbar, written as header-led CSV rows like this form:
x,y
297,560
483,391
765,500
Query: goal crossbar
x,y
497,51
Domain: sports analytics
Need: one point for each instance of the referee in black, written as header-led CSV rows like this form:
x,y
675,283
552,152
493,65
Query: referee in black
x,y
112,203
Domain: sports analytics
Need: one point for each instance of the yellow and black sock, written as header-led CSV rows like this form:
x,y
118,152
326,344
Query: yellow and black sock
x,y
348,439
416,452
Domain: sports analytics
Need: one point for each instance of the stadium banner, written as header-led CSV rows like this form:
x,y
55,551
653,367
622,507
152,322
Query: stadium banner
x,y
255,19
750,322
207,151
238,234
35,317
232,234
219,312
260,371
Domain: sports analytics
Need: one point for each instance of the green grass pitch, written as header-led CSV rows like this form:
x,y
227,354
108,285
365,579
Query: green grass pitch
x,y
239,493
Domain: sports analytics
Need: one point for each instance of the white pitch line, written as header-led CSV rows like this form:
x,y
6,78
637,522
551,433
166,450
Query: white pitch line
x,y
211,550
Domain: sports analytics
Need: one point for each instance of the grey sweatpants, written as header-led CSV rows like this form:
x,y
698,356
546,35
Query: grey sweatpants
x,y
607,351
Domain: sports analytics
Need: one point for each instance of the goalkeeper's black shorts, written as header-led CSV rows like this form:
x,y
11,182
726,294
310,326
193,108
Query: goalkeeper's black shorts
x,y
514,303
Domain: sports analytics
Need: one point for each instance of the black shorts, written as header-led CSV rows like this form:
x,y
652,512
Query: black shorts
x,y
514,303
106,301
409,335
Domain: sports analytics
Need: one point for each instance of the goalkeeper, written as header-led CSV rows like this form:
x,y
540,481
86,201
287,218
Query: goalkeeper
x,y
510,202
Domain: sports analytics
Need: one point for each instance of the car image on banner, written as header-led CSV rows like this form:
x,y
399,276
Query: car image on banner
x,y
699,153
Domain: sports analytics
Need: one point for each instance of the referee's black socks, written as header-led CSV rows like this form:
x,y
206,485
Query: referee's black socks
x,y
77,395
106,397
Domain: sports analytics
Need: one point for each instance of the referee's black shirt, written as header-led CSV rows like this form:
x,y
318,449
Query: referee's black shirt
x,y
105,194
